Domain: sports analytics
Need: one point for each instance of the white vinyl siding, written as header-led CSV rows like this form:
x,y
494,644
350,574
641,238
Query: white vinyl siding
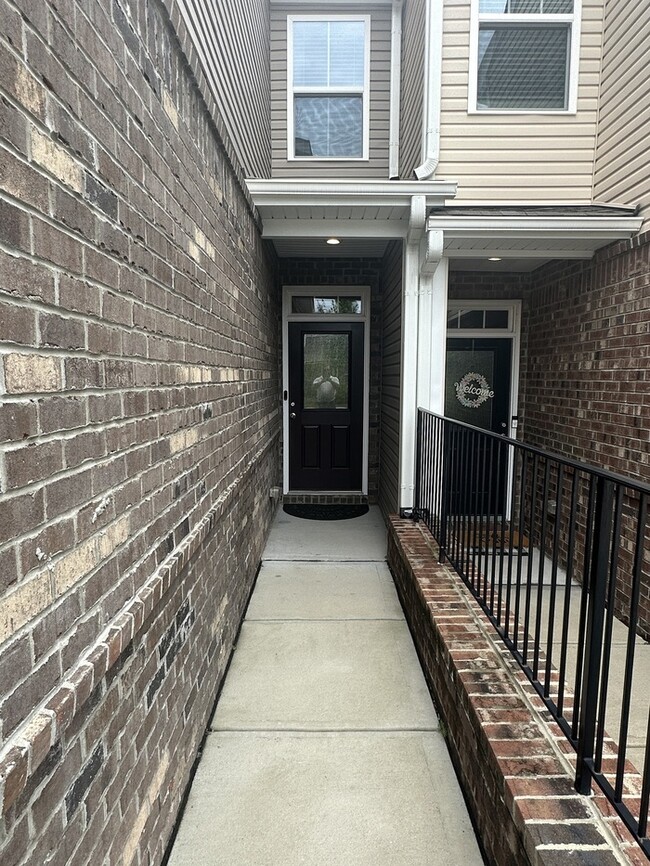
x,y
379,102
412,95
231,40
622,174
517,157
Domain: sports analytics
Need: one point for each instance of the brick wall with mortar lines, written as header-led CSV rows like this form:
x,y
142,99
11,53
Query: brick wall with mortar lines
x,y
138,425
513,762
334,271
584,377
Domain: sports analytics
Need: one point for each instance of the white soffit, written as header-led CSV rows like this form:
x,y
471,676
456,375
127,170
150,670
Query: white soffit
x,y
532,237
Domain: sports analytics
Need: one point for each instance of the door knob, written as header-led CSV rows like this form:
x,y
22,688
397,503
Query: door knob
x,y
292,414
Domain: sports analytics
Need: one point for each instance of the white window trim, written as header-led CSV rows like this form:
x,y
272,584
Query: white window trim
x,y
573,21
287,316
364,92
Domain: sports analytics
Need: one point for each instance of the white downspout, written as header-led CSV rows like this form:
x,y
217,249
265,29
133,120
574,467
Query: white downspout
x,y
395,85
432,90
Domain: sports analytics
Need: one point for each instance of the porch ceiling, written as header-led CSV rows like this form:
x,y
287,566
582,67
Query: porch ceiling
x,y
300,215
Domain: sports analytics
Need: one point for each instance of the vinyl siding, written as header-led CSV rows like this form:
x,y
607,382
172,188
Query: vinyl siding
x,y
231,39
622,174
391,378
377,164
412,89
516,158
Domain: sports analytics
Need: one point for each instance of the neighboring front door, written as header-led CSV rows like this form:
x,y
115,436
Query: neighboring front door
x,y
326,375
478,392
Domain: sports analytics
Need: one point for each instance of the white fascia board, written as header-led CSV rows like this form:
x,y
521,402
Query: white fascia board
x,y
306,228
536,227
395,193
541,252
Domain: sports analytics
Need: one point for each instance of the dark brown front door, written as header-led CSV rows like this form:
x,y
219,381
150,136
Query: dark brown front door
x,y
326,373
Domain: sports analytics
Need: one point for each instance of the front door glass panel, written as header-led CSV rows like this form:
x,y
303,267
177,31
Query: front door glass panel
x,y
326,371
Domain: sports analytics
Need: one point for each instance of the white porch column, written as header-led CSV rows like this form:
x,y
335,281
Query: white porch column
x,y
409,339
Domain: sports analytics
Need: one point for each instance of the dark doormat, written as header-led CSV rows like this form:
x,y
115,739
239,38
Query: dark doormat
x,y
325,512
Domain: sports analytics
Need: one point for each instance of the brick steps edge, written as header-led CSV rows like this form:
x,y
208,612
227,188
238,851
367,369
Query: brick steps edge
x,y
514,765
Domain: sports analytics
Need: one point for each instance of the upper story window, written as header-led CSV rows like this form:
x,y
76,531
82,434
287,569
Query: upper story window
x,y
524,55
328,61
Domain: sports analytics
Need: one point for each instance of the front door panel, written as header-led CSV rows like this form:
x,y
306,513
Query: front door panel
x,y
477,392
325,405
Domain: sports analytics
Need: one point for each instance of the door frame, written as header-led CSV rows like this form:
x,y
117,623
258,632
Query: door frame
x,y
287,316
513,333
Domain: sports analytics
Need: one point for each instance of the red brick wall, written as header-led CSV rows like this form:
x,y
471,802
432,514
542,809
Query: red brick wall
x,y
514,765
585,367
139,426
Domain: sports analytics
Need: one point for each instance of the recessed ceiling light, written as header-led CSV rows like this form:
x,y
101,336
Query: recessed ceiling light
x,y
494,259
333,241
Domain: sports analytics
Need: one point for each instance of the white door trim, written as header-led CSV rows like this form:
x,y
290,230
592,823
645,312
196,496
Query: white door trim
x,y
287,316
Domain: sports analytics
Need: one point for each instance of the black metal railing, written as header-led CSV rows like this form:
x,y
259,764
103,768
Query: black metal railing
x,y
557,552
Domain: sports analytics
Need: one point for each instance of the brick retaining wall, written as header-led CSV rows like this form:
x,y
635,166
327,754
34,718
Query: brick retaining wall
x,y
513,762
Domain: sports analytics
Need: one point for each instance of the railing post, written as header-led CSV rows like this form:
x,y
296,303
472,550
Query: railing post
x,y
598,574
444,499
418,464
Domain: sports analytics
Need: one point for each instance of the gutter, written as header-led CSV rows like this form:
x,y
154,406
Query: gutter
x,y
432,90
395,85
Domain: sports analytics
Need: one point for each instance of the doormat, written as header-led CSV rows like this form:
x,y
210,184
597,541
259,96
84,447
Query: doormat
x,y
325,512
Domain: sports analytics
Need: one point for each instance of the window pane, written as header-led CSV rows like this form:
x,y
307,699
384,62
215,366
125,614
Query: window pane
x,y
471,319
344,304
520,7
557,7
452,319
310,53
328,126
325,371
496,318
522,67
493,6
347,53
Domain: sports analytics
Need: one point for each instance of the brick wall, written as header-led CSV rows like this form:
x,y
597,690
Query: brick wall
x,y
585,373
139,425
350,272
515,767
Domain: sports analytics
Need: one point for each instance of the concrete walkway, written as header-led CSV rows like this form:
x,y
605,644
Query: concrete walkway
x,y
325,748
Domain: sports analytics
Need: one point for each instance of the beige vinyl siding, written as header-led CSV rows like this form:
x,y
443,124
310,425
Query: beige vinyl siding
x,y
391,359
231,39
517,158
622,174
412,90
377,164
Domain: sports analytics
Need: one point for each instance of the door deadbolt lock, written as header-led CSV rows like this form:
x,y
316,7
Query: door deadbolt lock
x,y
292,405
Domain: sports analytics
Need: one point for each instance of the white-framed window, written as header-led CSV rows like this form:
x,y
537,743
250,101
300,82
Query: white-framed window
x,y
524,56
328,86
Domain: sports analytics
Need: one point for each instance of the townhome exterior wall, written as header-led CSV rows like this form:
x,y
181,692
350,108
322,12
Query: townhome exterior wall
x,y
622,167
139,425
228,45
412,86
584,388
380,52
516,158
391,371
